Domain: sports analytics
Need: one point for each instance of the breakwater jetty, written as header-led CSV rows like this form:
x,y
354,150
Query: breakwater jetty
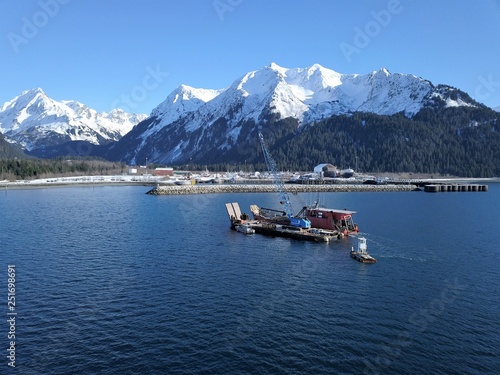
x,y
269,188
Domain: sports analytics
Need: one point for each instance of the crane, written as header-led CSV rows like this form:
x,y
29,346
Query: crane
x,y
280,188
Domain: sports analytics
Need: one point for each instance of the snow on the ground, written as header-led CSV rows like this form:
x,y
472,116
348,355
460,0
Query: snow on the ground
x,y
85,180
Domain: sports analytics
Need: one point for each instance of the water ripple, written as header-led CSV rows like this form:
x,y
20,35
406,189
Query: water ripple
x,y
113,281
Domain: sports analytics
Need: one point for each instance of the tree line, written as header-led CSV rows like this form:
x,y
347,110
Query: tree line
x,y
31,168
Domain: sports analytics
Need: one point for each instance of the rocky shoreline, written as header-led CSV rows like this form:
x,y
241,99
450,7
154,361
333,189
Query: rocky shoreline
x,y
292,189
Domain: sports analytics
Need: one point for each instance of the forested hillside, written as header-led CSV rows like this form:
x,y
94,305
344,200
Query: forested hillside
x,y
29,168
8,150
457,141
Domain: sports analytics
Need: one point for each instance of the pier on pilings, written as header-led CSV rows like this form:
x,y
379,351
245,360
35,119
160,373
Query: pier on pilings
x,y
435,188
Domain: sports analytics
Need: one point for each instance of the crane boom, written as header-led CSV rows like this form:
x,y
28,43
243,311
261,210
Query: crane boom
x,y
280,187
277,180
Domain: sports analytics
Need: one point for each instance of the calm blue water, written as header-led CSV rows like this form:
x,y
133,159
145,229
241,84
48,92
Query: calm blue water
x,y
112,281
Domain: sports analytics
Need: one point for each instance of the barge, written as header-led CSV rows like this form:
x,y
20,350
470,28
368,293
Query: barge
x,y
273,229
288,231
360,254
331,221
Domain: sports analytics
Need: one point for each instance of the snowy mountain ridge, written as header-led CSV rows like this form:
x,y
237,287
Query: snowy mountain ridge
x,y
205,124
309,94
181,101
33,120
275,93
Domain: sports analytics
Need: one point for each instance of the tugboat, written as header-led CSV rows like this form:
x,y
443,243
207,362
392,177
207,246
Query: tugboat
x,y
360,254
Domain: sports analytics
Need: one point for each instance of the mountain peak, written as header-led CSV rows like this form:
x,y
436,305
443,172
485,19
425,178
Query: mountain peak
x,y
28,98
35,120
312,69
186,92
277,68
185,88
385,71
381,72
316,66
33,92
182,100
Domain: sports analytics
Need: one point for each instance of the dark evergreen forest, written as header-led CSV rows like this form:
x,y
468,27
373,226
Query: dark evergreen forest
x,y
28,168
459,141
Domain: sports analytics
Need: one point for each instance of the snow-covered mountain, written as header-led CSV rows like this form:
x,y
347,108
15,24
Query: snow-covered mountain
x,y
34,120
497,108
181,101
192,124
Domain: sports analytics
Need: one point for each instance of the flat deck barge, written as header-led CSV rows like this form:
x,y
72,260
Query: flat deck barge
x,y
278,230
238,219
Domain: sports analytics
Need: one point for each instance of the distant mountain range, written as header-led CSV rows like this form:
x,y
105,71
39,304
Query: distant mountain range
x,y
206,126
34,121
216,126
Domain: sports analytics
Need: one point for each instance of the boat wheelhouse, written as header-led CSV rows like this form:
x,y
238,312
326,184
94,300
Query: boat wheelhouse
x,y
331,219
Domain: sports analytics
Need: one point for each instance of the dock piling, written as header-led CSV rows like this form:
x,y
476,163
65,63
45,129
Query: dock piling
x,y
446,188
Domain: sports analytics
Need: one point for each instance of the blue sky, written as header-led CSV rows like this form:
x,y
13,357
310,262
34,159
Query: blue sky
x,y
132,54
